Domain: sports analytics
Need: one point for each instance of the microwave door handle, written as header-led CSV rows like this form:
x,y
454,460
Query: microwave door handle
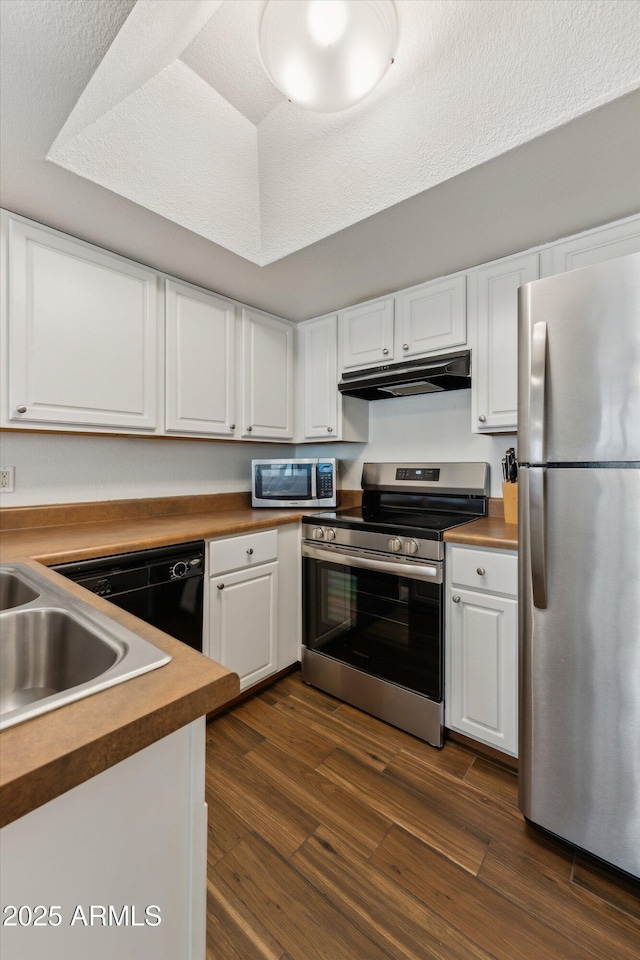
x,y
314,481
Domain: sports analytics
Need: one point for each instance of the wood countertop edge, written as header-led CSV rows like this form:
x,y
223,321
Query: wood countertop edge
x,y
490,532
50,754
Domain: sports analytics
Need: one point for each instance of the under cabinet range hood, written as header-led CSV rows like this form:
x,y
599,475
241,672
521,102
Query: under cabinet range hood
x,y
451,371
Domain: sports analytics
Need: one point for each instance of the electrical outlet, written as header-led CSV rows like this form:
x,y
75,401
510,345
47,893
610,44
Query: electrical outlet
x,y
7,475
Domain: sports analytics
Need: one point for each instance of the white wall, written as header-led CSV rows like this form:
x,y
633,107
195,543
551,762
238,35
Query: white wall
x,y
422,428
66,468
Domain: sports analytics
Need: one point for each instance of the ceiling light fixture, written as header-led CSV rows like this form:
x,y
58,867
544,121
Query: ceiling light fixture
x,y
327,55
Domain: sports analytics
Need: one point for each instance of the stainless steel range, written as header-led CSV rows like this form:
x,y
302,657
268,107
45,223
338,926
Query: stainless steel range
x,y
373,590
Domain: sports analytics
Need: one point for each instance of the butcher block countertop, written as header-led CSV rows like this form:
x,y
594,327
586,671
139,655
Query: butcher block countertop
x,y
52,753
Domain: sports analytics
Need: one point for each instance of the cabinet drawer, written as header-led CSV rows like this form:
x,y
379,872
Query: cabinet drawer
x,y
500,570
239,553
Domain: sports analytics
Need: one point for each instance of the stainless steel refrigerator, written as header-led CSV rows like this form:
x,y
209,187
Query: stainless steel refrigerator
x,y
579,557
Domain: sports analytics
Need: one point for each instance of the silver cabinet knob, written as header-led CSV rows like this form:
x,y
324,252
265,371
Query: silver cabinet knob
x,y
318,533
220,586
385,351
21,409
249,429
250,552
329,429
395,544
330,534
411,546
480,571
405,346
482,418
232,426
456,599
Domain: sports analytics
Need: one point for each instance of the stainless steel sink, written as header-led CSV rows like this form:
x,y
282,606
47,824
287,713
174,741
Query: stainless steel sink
x,y
54,648
14,591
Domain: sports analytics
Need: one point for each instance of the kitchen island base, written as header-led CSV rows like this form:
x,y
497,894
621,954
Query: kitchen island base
x,y
115,867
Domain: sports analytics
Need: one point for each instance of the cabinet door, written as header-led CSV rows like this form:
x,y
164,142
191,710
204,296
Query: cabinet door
x,y
320,375
431,317
483,671
267,396
243,616
493,313
592,247
82,334
200,351
366,334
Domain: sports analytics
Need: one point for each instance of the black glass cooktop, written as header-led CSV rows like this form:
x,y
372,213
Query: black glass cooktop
x,y
428,526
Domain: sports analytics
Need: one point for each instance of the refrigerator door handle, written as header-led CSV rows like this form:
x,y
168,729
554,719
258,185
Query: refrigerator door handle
x,y
537,536
537,387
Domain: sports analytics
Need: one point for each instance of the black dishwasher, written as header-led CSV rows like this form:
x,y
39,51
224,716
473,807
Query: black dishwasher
x,y
163,586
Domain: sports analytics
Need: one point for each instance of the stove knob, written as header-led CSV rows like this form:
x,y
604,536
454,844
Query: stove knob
x,y
395,544
411,546
318,533
330,534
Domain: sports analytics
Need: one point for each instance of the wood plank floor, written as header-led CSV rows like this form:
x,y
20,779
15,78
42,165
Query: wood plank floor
x,y
333,836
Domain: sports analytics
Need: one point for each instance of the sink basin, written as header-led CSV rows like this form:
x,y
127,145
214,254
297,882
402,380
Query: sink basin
x,y
45,651
55,648
14,591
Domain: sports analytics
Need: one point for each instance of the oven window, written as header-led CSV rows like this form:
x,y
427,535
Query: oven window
x,y
284,481
387,626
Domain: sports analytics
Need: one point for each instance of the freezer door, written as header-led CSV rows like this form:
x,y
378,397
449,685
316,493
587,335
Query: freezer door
x,y
579,365
580,663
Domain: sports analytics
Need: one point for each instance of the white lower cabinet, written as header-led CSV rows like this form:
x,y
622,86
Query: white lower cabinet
x,y
244,622
115,867
253,620
482,646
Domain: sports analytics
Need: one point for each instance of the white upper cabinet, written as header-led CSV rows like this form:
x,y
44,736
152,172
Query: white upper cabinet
x,y
493,315
324,414
82,334
431,317
423,320
319,359
595,246
267,377
366,334
200,362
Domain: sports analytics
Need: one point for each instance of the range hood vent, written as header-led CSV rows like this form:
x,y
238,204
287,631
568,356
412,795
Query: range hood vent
x,y
451,371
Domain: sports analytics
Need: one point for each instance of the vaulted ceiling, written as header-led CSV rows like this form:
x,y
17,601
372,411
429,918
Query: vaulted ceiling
x,y
151,129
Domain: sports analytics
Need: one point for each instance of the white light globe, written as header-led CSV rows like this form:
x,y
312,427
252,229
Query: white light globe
x,y
327,55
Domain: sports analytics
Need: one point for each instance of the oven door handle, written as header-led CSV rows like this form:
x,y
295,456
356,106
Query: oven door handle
x,y
411,571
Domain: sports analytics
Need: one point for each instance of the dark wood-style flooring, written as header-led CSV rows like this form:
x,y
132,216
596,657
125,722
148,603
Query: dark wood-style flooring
x,y
333,836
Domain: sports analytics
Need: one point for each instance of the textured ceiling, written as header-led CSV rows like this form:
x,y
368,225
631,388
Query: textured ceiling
x,y
195,131
581,172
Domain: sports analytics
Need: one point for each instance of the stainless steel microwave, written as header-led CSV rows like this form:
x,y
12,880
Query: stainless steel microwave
x,y
294,483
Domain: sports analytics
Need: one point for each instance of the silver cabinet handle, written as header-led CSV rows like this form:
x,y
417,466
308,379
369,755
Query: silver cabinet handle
x,y
249,429
21,409
232,426
480,571
456,599
405,346
385,351
220,586
250,552
482,418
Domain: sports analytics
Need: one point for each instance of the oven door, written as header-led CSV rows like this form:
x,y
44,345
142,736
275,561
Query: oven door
x,y
379,614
